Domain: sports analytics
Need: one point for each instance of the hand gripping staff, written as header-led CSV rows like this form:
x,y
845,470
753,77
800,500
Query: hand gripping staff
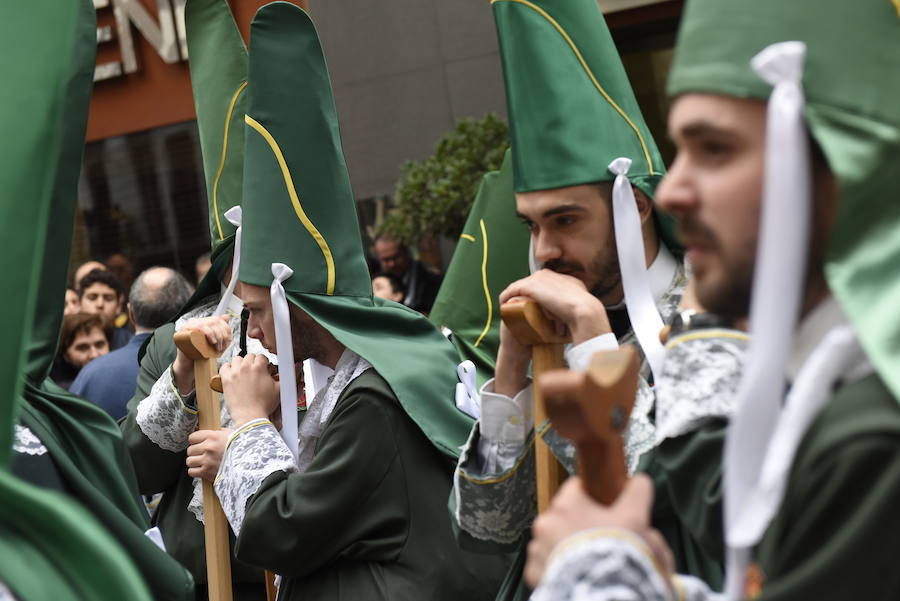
x,y
218,555
592,410
530,326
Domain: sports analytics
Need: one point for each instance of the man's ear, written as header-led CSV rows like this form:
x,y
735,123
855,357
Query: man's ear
x,y
131,315
644,204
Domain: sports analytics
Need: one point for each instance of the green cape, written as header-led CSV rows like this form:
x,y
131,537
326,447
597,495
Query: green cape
x,y
571,107
853,113
299,210
50,548
492,253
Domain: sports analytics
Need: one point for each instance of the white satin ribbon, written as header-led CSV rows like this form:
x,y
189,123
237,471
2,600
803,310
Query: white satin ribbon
x,y
645,319
834,357
285,351
467,398
778,284
235,216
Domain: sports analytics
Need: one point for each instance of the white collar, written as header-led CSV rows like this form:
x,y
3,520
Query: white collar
x,y
661,272
826,316
660,275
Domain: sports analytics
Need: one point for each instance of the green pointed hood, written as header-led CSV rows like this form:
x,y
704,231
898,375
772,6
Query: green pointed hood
x,y
853,113
299,210
42,107
571,107
50,299
218,61
492,253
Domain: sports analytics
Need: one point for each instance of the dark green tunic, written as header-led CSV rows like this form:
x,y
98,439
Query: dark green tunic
x,y
687,509
368,519
159,470
835,535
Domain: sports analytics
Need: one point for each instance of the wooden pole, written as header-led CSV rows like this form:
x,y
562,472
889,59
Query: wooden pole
x,y
530,326
193,343
215,383
592,410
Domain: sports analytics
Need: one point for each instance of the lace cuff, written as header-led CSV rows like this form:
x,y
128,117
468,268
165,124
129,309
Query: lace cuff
x,y
253,453
578,357
602,564
495,505
166,417
699,380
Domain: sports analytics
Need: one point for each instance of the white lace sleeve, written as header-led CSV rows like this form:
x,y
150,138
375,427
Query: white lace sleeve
x,y
700,376
253,453
165,417
611,565
505,424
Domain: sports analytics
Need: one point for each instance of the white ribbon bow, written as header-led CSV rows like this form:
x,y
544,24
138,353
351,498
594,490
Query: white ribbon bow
x,y
645,319
778,286
285,352
467,398
235,216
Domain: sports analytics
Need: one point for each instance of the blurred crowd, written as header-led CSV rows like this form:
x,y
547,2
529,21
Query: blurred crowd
x,y
109,313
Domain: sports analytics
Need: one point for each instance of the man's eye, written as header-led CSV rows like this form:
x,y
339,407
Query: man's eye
x,y
564,220
529,224
715,149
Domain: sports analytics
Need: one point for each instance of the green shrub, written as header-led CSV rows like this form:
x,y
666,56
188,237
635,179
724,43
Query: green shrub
x,y
433,196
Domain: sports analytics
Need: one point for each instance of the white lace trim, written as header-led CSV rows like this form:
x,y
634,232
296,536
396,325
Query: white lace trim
x,y
26,442
253,453
602,565
349,367
699,380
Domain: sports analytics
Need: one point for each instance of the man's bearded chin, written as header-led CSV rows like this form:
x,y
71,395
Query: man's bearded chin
x,y
729,296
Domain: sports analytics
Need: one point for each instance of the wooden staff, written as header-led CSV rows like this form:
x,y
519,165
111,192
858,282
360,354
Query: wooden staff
x,y
530,326
215,383
193,343
592,410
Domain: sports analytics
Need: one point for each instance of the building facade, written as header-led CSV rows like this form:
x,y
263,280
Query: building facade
x,y
404,72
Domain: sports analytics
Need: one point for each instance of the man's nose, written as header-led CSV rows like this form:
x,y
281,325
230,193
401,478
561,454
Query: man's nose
x,y
675,193
545,248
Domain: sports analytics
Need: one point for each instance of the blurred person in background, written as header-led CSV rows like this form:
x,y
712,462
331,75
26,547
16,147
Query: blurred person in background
x,y
120,266
421,283
73,305
84,337
83,270
389,286
155,297
202,265
100,292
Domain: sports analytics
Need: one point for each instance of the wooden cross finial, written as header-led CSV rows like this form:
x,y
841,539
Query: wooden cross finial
x,y
592,409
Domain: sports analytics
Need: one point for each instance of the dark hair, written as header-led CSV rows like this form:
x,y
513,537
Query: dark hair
x,y
82,323
389,238
155,305
396,283
100,276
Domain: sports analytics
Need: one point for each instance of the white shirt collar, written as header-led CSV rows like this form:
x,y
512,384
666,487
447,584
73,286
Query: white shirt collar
x,y
827,315
661,272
